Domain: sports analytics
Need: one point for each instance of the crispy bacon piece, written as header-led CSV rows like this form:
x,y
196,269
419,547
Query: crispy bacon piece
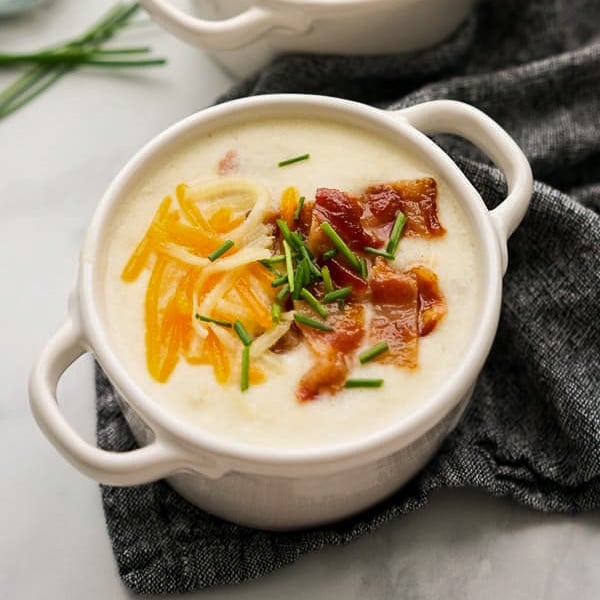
x,y
343,212
432,305
343,276
416,198
229,163
333,350
395,313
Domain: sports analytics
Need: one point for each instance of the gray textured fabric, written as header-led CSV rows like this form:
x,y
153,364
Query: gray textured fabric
x,y
532,431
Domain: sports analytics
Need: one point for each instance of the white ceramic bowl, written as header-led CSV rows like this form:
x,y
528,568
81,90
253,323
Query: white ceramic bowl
x,y
260,487
244,35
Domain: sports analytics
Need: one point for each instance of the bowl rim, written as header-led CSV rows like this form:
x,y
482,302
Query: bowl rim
x,y
167,425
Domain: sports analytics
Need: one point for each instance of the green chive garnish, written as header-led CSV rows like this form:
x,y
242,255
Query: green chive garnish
x,y
298,210
373,352
314,303
215,321
291,161
288,236
377,252
311,265
245,382
329,254
339,243
397,229
273,260
337,294
275,312
363,267
312,323
226,245
289,266
363,383
301,278
242,333
279,281
327,279
283,292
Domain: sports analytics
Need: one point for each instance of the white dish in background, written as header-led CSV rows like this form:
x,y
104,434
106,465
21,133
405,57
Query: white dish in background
x,y
245,35
266,487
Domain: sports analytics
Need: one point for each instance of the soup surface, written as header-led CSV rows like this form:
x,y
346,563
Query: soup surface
x,y
287,395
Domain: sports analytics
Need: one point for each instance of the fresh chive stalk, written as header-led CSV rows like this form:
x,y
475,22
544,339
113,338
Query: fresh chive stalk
x,y
363,267
309,261
314,303
245,379
298,210
295,159
289,265
363,383
329,254
312,322
373,352
339,243
239,328
226,245
377,252
335,295
392,245
52,63
215,321
276,312
279,281
273,260
283,292
327,279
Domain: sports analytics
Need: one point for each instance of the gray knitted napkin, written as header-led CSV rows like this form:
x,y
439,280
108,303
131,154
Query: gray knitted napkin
x,y
532,431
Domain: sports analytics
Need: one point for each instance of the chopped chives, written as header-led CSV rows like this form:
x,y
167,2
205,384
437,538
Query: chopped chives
x,y
288,264
363,267
301,278
283,292
397,229
226,245
273,260
276,312
279,281
311,265
373,352
245,379
329,254
377,252
242,333
314,303
287,234
215,321
298,210
339,243
295,159
312,322
327,279
363,383
337,294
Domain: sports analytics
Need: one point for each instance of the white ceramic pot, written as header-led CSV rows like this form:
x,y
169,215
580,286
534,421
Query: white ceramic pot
x,y
243,35
278,489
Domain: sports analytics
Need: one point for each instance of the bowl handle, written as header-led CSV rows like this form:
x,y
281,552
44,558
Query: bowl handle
x,y
226,34
143,465
450,116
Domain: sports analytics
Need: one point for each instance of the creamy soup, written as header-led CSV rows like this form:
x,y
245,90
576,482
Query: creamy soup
x,y
274,391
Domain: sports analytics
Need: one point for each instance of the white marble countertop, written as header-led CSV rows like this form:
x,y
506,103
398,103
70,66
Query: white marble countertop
x,y
57,156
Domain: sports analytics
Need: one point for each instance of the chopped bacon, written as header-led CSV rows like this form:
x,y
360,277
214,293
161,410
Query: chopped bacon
x,y
432,306
229,163
395,313
343,212
332,349
416,198
343,276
